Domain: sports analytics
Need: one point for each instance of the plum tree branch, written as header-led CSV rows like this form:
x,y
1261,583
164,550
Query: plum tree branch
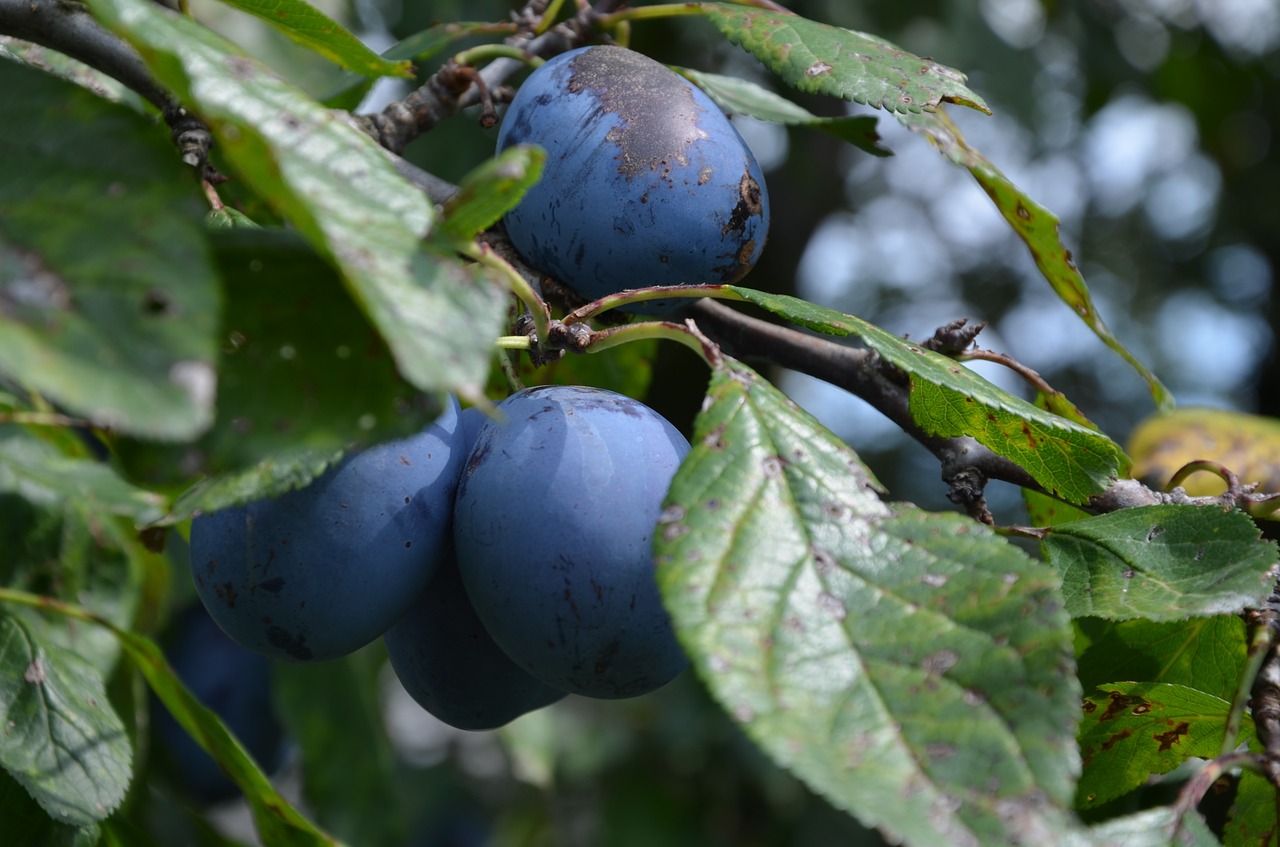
x,y
454,86
68,28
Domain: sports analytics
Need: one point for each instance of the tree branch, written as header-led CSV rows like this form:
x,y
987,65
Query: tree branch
x,y
455,87
68,28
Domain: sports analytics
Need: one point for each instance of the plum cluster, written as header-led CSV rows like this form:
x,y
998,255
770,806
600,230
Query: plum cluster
x,y
505,562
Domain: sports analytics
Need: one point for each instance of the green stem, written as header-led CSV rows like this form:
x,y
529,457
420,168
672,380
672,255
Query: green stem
x,y
37,601
485,52
641,13
1256,655
549,16
510,373
612,337
659,292
484,255
41,419
513,342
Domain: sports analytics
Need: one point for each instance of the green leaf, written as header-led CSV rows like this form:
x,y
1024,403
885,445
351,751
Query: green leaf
x,y
67,548
740,96
1162,562
25,823
884,654
277,821
1206,653
229,218
1071,461
50,61
270,477
490,191
108,303
352,801
1253,816
1160,827
1043,510
303,376
62,741
1038,228
818,58
418,47
338,188
1132,730
308,26
93,485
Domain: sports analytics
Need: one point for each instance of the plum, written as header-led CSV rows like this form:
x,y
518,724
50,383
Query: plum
x,y
322,571
553,524
450,665
445,658
646,181
232,681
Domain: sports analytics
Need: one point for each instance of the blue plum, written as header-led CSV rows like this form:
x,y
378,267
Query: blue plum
x,y
646,181
450,665
322,571
235,683
553,524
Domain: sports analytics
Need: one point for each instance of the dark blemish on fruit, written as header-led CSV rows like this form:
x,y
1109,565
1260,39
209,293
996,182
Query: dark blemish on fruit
x,y
273,585
748,205
659,120
295,647
226,593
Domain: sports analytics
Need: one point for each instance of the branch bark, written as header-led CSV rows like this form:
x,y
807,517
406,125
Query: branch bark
x,y
453,87
69,28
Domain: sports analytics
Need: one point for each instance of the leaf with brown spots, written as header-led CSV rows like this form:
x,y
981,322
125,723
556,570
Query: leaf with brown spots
x,y
913,668
1164,562
947,399
1253,815
1038,229
818,58
60,738
1132,730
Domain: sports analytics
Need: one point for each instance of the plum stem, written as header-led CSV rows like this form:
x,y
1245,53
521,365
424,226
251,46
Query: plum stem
x,y
657,292
485,52
485,255
549,16
612,337
665,10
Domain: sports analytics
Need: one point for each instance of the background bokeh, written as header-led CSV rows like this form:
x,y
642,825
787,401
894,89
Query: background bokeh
x,y
1147,126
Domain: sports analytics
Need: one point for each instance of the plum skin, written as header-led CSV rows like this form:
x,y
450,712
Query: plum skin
x,y
444,657
646,181
450,665
553,525
321,571
232,681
